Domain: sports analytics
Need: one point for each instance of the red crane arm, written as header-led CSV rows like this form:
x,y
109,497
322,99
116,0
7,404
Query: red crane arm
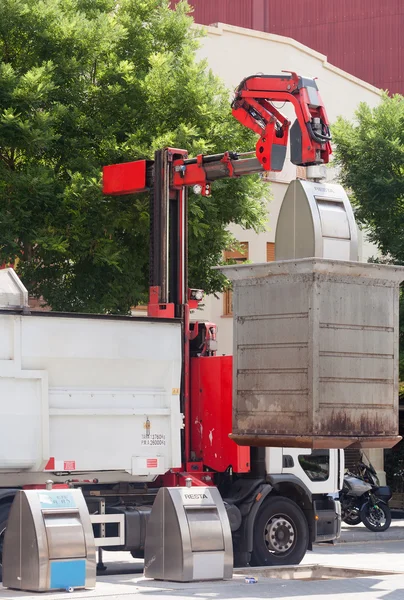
x,y
253,107
310,134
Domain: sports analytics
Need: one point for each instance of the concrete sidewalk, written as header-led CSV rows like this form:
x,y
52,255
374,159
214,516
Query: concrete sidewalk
x,y
124,578
382,556
129,587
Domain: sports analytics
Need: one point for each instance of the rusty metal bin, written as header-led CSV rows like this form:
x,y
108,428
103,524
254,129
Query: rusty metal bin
x,y
315,353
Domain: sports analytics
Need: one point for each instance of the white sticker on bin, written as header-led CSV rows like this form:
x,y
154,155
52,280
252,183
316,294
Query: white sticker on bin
x,y
56,499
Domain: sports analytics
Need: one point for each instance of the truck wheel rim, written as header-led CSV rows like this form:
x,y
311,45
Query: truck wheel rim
x,y
279,534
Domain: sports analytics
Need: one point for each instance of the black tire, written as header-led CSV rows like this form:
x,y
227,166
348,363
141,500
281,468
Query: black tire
x,y
353,519
281,533
4,510
376,518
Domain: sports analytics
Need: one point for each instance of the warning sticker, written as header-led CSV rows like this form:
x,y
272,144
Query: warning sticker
x,y
151,463
69,465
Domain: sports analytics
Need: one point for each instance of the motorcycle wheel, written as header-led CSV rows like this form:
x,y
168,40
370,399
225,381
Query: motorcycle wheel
x,y
376,517
353,519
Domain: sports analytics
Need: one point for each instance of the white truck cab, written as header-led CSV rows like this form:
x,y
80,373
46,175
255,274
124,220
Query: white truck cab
x,y
321,471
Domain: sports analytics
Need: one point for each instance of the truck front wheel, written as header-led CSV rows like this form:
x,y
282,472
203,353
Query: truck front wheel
x,y
4,510
281,533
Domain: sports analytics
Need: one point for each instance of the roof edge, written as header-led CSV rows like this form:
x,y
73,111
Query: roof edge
x,y
221,28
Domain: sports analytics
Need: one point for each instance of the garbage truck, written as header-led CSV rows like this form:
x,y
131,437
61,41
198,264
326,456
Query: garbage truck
x,y
122,406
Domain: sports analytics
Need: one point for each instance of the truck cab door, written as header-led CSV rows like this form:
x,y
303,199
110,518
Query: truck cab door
x,y
319,470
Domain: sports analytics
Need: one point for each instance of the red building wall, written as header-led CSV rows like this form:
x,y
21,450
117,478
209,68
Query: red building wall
x,y
363,37
252,14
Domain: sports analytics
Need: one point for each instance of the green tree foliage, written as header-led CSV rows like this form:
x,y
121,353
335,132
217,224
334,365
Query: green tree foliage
x,y
370,153
84,83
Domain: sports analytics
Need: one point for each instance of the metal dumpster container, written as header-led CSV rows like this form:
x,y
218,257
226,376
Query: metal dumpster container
x,y
315,353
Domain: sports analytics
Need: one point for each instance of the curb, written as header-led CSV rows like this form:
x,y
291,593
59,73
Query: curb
x,y
362,535
359,542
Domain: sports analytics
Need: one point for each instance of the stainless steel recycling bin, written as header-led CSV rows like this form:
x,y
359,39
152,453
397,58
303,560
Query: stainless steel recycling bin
x,y
316,219
49,542
188,536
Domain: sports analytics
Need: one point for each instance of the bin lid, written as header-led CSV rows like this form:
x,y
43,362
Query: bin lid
x,y
303,266
13,293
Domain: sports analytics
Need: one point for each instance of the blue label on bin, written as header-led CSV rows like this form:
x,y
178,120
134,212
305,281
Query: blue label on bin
x,y
56,499
67,574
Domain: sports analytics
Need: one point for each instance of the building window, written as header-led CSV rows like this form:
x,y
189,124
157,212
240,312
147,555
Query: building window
x,y
270,251
227,303
235,257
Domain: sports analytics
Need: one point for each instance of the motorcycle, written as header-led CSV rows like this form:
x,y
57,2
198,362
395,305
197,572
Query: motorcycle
x,y
364,500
